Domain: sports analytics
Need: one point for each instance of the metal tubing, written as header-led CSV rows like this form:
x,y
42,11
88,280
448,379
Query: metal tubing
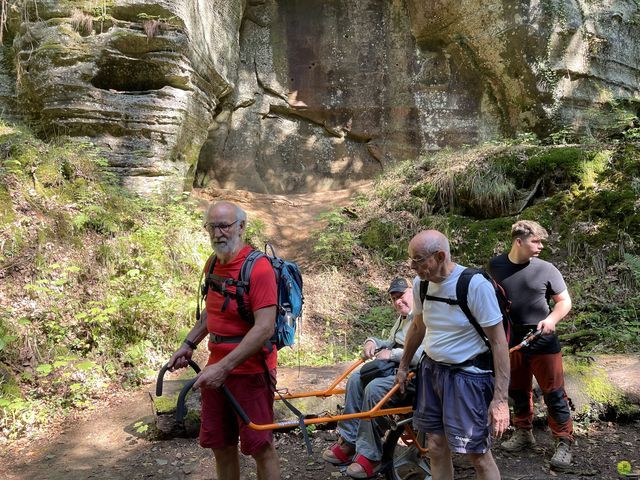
x,y
528,340
412,435
376,411
331,390
164,369
337,418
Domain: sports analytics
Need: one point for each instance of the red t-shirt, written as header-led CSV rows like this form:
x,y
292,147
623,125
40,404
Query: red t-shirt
x,y
262,293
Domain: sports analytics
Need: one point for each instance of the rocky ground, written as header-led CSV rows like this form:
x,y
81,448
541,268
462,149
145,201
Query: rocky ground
x,y
114,441
105,443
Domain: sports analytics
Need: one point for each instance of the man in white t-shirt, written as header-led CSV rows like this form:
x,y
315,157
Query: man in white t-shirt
x,y
462,398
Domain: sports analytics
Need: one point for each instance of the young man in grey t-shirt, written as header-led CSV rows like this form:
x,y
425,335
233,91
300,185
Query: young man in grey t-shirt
x,y
530,283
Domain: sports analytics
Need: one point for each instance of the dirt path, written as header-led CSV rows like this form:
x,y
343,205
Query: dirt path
x,y
290,220
105,445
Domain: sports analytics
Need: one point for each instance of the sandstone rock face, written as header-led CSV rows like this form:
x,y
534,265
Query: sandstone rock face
x,y
323,98
329,92
139,78
298,95
541,64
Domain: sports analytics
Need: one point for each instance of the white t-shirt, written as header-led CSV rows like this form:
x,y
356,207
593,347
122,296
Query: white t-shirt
x,y
450,337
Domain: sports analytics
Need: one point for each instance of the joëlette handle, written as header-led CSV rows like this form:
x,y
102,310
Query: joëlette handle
x,y
164,369
236,406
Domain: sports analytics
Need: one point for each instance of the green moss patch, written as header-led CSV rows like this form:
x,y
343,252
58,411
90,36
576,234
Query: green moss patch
x,y
165,403
605,400
7,213
386,237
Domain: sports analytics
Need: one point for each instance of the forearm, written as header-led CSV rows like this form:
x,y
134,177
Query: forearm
x,y
500,352
413,340
197,333
502,370
560,310
253,341
181,357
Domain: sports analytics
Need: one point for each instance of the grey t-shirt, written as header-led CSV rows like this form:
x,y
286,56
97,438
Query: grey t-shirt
x,y
529,286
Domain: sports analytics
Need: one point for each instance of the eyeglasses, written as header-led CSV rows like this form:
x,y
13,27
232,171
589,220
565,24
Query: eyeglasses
x,y
223,227
419,260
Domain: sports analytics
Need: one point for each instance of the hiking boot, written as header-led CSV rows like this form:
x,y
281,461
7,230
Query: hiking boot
x,y
562,458
519,440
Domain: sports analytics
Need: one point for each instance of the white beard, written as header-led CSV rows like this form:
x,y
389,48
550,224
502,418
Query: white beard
x,y
226,249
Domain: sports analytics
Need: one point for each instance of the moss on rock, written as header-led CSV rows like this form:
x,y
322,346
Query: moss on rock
x,y
385,236
601,398
49,172
165,404
7,213
8,386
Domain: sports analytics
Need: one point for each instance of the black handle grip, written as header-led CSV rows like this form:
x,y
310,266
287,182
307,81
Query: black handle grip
x,y
181,407
164,369
182,410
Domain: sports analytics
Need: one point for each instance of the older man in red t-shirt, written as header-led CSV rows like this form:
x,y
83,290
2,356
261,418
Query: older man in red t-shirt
x,y
238,356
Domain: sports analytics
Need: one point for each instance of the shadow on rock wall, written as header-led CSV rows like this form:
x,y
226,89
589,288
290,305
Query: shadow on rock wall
x,y
300,95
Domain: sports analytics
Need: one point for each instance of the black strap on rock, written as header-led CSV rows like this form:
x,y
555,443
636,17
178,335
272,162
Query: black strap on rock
x,y
300,415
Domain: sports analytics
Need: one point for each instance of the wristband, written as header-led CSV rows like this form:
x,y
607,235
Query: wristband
x,y
190,344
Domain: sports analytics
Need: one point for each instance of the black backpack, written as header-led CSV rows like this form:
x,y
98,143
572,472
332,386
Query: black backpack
x,y
462,290
290,297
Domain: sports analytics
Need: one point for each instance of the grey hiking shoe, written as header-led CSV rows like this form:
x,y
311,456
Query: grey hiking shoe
x,y
562,458
519,440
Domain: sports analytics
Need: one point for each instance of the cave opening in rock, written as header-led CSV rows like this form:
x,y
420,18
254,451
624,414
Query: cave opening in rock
x,y
129,75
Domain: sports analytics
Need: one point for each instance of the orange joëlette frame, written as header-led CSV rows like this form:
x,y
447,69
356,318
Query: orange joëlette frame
x,y
376,411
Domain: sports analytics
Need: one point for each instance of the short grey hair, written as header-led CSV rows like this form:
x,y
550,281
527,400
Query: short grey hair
x,y
240,213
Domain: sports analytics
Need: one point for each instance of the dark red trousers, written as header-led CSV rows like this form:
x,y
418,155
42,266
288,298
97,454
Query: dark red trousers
x,y
547,368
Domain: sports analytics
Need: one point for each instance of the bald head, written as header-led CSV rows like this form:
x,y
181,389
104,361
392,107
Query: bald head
x,y
429,241
430,256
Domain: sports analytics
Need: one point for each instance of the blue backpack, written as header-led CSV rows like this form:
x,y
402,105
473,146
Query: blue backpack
x,y
290,297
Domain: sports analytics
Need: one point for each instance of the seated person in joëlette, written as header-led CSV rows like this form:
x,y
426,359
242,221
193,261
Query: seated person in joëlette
x,y
359,444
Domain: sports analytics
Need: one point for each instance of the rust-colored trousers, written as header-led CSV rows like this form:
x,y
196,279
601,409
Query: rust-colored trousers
x,y
547,368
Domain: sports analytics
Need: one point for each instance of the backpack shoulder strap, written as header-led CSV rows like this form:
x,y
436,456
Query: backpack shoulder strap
x,y
247,268
212,263
204,283
462,291
424,286
243,284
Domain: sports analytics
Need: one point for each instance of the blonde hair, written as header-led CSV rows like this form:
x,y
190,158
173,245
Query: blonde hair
x,y
528,228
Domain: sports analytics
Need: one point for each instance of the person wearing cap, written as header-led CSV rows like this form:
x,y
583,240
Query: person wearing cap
x,y
359,444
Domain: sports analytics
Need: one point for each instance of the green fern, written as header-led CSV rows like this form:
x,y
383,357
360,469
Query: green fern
x,y
633,262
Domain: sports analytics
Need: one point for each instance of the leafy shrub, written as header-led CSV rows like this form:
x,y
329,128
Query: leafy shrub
x,y
255,233
111,277
334,244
